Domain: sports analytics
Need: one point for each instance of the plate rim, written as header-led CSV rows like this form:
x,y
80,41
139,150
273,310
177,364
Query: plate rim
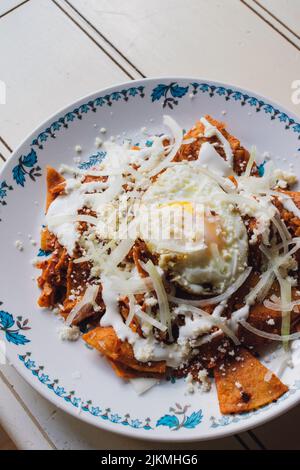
x,y
125,431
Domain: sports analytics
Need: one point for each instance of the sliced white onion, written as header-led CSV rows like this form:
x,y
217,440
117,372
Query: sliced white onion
x,y
131,309
142,384
250,162
149,319
177,136
225,183
215,321
271,336
89,297
132,285
219,298
278,307
261,289
211,130
164,308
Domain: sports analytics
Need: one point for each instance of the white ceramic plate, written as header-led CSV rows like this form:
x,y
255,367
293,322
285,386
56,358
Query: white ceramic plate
x,y
166,412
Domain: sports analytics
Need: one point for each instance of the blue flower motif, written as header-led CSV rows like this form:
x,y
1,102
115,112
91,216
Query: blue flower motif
x,y
60,391
136,423
221,91
3,189
95,411
116,96
253,101
30,364
115,418
76,402
70,117
44,378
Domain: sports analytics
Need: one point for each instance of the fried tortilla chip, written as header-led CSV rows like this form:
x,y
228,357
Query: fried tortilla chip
x,y
105,340
244,384
191,151
54,185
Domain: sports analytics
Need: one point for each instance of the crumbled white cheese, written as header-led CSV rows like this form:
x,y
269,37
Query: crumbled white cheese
x,y
98,142
103,130
78,148
69,333
76,374
284,178
268,376
150,301
271,321
204,380
19,245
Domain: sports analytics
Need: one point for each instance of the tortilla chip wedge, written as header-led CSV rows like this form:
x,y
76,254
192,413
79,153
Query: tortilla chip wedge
x,y
54,180
244,384
105,340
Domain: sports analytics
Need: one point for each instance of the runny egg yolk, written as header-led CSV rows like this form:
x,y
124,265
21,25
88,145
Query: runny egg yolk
x,y
207,244
210,223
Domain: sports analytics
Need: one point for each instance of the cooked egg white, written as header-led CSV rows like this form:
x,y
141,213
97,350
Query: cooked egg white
x,y
199,237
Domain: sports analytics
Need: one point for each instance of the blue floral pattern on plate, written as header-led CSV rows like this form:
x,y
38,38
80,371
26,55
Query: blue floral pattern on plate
x,y
11,328
169,95
177,420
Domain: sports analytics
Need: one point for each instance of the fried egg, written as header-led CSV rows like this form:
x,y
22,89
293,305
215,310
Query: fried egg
x,y
198,236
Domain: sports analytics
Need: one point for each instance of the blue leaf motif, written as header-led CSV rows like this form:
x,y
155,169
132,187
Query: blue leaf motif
x,y
168,420
178,91
159,92
193,420
15,338
6,320
19,175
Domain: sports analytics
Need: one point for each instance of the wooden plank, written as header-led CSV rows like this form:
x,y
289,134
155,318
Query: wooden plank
x,y
49,65
7,6
218,41
277,22
5,442
287,11
281,433
19,426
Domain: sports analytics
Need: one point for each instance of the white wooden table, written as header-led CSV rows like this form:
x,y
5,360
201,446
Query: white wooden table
x,y
55,51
